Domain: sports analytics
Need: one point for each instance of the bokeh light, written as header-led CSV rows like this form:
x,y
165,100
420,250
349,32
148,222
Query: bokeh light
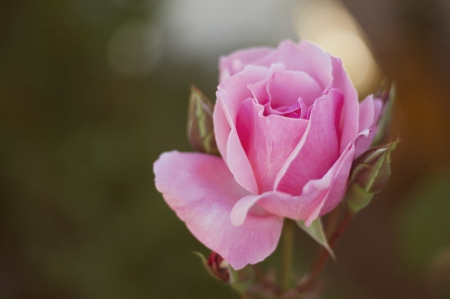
x,y
330,25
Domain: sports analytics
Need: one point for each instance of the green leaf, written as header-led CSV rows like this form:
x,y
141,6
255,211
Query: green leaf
x,y
315,231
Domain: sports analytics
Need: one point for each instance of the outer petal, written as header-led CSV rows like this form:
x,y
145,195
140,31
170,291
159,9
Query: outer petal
x,y
202,191
305,57
369,112
348,125
230,95
318,149
366,113
237,61
318,196
267,140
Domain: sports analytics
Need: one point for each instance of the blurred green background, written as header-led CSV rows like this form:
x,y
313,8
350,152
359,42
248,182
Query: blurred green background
x,y
92,91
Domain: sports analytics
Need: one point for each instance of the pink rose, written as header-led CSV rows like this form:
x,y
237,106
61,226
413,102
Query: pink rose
x,y
288,125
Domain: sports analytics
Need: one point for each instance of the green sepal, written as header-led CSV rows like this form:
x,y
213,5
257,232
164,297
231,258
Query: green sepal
x,y
372,169
200,127
204,261
241,280
315,231
387,94
369,175
357,199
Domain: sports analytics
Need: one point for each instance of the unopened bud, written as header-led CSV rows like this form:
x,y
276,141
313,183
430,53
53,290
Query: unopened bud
x,y
219,267
369,175
386,94
200,123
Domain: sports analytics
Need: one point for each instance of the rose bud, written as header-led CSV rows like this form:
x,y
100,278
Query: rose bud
x,y
288,125
200,123
387,95
370,174
219,267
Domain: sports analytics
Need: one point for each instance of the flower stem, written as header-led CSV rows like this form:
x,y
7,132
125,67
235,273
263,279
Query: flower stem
x,y
286,258
324,254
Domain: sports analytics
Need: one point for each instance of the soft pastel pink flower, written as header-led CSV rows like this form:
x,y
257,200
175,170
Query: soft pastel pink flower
x,y
288,125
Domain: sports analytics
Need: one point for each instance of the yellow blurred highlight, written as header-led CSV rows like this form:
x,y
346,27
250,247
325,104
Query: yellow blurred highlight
x,y
330,25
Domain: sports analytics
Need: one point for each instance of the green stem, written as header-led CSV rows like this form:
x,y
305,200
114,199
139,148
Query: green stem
x,y
286,258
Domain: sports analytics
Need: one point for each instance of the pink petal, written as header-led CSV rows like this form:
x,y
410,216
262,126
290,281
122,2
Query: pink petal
x,y
259,89
378,107
239,164
201,190
348,125
286,87
303,56
230,95
222,129
233,91
369,112
318,149
267,141
366,113
235,62
318,196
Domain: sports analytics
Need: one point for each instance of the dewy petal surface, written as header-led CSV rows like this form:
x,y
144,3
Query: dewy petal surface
x,y
318,149
267,141
202,192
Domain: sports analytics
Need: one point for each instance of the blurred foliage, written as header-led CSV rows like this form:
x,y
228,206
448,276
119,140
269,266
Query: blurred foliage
x,y
424,224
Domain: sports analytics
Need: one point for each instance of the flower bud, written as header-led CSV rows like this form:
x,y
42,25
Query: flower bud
x,y
386,94
200,123
369,175
219,267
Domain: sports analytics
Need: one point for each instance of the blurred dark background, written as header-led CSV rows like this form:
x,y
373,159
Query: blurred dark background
x,y
92,91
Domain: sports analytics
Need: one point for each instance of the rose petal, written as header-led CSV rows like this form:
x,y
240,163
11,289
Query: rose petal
x,y
235,62
366,113
317,150
348,125
239,164
222,129
303,56
201,190
267,141
233,91
318,196
286,87
230,95
369,112
259,89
